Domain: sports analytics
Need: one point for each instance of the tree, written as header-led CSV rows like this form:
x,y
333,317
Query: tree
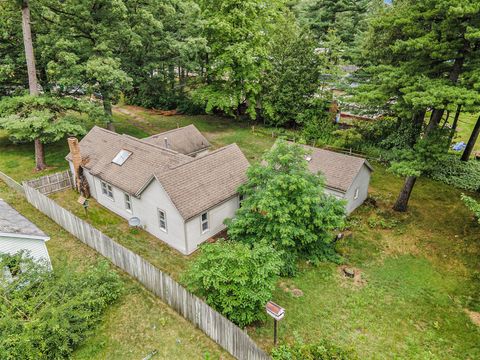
x,y
235,279
238,33
285,206
81,42
471,141
47,314
44,119
423,56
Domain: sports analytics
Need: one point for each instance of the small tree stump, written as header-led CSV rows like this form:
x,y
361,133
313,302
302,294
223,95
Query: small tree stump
x,y
349,272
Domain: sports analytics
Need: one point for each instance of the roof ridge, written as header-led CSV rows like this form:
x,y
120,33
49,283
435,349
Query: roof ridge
x,y
170,151
105,130
207,155
172,130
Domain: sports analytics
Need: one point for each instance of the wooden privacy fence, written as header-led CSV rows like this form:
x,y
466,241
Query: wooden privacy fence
x,y
220,329
49,184
11,183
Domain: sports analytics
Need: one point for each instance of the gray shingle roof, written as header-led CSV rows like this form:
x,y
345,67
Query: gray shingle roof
x,y
12,222
193,184
199,185
185,140
338,169
99,147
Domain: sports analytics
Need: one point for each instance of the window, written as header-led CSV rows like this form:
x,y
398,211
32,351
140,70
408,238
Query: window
x,y
121,157
356,194
240,199
204,222
128,203
162,220
107,190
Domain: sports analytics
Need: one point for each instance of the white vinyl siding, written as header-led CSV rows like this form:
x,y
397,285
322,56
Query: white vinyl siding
x,y
162,220
128,202
204,222
107,190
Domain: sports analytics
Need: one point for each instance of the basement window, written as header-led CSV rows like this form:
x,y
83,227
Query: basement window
x,y
121,157
204,222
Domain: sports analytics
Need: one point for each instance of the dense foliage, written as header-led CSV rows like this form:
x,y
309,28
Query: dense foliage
x,y
321,350
473,205
47,314
235,279
285,206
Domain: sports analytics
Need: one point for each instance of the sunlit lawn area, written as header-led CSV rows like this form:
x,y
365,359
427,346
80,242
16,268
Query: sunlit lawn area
x,y
138,322
419,271
466,123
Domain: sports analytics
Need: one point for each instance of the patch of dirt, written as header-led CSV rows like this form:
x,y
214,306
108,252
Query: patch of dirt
x,y
357,280
474,316
290,288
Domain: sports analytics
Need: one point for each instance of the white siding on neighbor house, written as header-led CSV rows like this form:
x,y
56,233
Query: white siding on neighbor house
x,y
361,182
216,216
36,247
146,208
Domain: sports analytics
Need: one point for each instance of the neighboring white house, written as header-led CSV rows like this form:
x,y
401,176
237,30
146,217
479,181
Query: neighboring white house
x,y
180,192
17,233
346,176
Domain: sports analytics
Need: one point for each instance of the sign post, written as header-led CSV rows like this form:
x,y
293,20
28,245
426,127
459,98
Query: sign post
x,y
277,313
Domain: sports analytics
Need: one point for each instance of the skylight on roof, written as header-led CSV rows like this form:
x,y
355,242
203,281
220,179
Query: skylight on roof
x,y
121,157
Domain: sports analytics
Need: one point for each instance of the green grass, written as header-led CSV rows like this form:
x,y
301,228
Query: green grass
x,y
420,270
138,322
466,122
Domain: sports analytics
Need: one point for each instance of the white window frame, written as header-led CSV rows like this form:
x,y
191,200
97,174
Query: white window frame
x,y
355,195
162,217
128,202
107,190
206,221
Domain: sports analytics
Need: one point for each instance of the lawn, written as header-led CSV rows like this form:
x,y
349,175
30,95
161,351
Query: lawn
x,y
466,122
419,272
138,322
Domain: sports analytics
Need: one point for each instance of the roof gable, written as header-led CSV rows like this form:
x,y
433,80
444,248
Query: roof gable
x,y
339,170
186,140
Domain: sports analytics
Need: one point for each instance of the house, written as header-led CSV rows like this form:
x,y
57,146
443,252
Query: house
x,y
179,190
346,176
17,233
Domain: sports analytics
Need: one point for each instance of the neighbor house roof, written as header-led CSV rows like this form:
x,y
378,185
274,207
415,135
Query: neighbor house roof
x,y
12,223
197,186
338,169
185,140
100,146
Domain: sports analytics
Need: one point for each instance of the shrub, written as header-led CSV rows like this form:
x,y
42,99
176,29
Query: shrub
x,y
473,205
235,279
47,314
319,351
461,174
285,206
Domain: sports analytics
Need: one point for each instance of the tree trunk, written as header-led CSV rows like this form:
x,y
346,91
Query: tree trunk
x,y
107,109
454,125
418,121
39,155
471,142
28,44
402,200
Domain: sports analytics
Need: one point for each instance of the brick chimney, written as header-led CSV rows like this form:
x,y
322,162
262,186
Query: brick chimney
x,y
76,159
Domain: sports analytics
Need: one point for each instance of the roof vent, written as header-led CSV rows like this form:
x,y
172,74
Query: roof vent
x,y
121,157
166,143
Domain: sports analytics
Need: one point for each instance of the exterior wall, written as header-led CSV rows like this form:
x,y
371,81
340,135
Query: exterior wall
x,y
339,195
36,247
216,216
146,209
361,182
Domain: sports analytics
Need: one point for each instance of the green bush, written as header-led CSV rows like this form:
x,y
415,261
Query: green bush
x,y
461,174
473,205
235,279
318,351
47,314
